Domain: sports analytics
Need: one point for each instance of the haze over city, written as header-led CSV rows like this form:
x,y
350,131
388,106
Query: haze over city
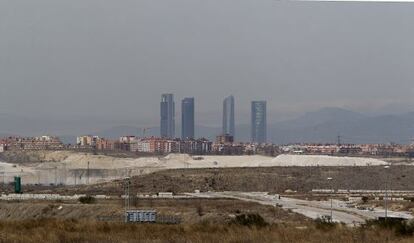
x,y
110,61
206,121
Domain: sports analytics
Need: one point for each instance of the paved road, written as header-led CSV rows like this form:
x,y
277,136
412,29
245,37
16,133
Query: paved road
x,y
311,209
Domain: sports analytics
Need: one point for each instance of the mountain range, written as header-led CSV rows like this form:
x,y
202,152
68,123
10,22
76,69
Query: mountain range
x,y
321,126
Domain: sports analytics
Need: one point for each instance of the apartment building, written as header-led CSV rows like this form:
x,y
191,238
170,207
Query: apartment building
x,y
33,143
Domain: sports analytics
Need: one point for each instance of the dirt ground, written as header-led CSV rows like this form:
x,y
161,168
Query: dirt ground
x,y
272,179
187,210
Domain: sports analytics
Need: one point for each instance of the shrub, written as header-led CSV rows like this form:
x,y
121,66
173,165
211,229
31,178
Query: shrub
x,y
200,210
252,219
400,227
410,199
324,224
365,199
406,228
87,200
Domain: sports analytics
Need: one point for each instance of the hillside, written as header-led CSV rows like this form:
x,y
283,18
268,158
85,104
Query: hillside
x,y
270,179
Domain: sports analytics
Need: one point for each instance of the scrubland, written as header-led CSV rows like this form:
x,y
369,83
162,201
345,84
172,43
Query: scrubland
x,y
53,230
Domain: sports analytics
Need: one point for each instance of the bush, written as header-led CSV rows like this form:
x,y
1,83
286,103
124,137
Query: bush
x,y
253,219
87,200
324,224
410,199
200,210
406,228
400,227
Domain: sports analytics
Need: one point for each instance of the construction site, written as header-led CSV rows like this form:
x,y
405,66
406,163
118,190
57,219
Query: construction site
x,y
182,190
76,168
69,173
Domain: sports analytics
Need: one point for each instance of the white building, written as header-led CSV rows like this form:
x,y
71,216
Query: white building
x,y
87,140
128,139
143,146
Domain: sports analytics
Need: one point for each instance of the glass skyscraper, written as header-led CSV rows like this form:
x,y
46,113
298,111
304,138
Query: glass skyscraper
x,y
258,122
187,118
228,116
167,116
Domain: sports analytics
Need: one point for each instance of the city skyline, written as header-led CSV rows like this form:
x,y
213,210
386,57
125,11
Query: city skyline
x,y
258,128
377,129
207,121
107,66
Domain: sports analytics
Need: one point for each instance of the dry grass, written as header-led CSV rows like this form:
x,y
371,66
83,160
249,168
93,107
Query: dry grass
x,y
190,211
272,179
203,221
52,230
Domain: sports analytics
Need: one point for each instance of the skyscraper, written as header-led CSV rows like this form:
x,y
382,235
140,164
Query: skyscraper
x,y
167,116
187,118
228,116
259,123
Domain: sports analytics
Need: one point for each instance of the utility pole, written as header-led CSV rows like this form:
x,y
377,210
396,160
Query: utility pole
x,y
330,180
65,174
386,192
339,140
87,174
4,182
127,183
55,175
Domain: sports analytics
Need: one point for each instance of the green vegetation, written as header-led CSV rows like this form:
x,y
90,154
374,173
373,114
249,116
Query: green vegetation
x,y
54,230
252,219
87,200
399,227
324,224
365,199
272,179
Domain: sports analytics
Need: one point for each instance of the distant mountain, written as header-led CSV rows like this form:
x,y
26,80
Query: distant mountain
x,y
325,115
326,124
34,126
321,126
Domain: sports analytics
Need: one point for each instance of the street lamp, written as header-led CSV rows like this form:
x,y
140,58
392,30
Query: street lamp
x,y
4,174
330,180
386,192
127,183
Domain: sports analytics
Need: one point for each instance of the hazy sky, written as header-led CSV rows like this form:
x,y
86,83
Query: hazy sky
x,y
114,58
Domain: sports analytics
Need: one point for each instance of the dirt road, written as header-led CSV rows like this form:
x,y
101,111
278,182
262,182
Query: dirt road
x,y
311,209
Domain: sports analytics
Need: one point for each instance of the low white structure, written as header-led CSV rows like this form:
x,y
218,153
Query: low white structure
x,y
324,160
10,197
165,194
